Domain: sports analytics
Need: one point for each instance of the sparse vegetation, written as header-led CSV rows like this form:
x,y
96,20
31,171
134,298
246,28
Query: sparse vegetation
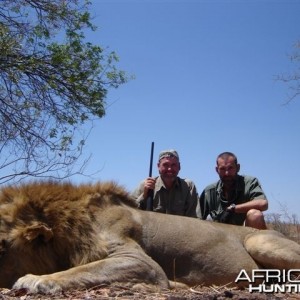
x,y
285,222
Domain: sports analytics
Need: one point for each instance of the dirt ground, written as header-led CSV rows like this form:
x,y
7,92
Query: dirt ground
x,y
118,292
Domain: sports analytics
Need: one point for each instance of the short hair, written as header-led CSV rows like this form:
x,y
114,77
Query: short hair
x,y
227,154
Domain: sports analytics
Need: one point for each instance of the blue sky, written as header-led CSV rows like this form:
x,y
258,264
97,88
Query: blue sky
x,y
204,83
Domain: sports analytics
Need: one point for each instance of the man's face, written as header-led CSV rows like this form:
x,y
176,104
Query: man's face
x,y
227,169
168,168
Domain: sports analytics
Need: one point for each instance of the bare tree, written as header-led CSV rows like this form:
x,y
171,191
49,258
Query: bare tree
x,y
284,222
52,82
292,79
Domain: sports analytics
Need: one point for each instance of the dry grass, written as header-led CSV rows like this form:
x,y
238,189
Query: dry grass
x,y
118,292
286,224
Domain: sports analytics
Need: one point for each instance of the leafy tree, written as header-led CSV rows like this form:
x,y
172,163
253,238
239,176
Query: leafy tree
x,y
52,82
292,79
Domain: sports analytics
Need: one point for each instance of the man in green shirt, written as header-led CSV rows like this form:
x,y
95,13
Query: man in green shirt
x,y
234,199
171,194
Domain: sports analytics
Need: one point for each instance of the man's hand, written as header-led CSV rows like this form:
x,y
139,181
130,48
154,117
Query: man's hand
x,y
231,208
149,185
226,214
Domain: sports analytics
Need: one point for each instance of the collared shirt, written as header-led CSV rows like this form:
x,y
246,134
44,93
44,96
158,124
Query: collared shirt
x,y
213,203
181,199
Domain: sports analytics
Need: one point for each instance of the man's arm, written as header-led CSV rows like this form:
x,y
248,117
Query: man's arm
x,y
138,196
192,200
259,204
203,207
257,198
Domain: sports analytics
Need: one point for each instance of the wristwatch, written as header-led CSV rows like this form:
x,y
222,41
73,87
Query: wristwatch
x,y
232,207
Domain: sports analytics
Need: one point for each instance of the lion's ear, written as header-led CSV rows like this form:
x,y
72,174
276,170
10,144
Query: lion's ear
x,y
39,230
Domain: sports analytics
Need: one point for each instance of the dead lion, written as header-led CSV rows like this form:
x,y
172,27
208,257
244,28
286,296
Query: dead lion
x,y
81,236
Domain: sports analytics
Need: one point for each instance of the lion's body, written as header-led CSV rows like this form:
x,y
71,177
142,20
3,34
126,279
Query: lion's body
x,y
82,236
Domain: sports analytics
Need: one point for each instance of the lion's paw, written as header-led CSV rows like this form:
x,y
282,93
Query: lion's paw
x,y
38,284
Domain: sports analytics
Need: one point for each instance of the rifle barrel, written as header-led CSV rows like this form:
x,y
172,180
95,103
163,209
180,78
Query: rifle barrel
x,y
151,192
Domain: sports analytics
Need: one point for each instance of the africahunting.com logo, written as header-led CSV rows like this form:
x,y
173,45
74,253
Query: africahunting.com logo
x,y
271,280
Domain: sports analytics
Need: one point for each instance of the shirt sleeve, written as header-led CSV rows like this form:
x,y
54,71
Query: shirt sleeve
x,y
203,205
138,196
192,200
255,189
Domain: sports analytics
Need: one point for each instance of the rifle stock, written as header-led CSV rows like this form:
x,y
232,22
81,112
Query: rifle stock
x,y
149,205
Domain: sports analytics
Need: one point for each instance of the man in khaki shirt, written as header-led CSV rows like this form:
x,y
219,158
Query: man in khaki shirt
x,y
171,194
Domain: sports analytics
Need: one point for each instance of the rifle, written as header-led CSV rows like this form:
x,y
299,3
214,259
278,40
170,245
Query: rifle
x,y
149,205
